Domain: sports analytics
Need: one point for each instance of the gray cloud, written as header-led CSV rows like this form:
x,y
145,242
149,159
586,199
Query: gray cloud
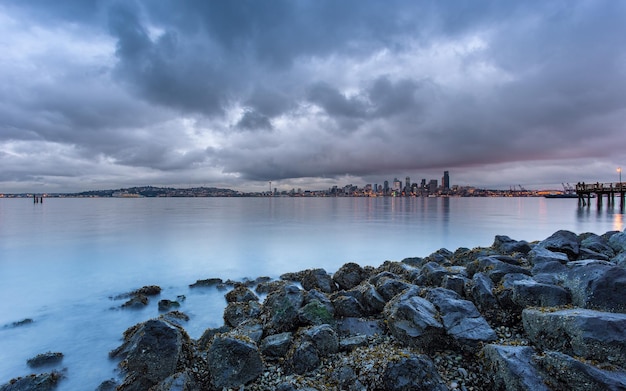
x,y
293,91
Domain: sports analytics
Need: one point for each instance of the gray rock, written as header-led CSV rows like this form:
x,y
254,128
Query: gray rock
x,y
562,241
41,382
455,283
151,352
371,301
344,376
462,321
324,339
482,293
415,373
181,381
233,362
505,245
303,358
512,368
568,373
527,293
238,312
241,293
431,274
353,342
618,242
585,253
281,309
207,337
389,287
349,275
494,268
318,279
620,259
414,320
44,359
347,306
597,285
592,335
276,345
252,329
108,385
167,305
316,313
358,326
540,255
441,256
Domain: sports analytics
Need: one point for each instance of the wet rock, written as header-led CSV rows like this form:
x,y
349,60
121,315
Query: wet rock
x,y
233,362
562,241
389,287
251,329
136,302
597,285
270,286
49,358
512,368
206,339
276,345
592,335
175,317
349,275
505,245
108,385
568,373
240,294
462,321
358,326
168,305
431,274
238,312
413,373
207,283
413,320
304,357
281,309
148,290
324,339
151,352
540,255
41,382
318,279
347,306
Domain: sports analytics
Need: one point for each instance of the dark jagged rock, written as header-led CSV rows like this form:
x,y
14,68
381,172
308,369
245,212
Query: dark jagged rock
x,y
358,326
181,381
462,321
276,345
303,358
431,274
241,293
269,286
567,373
520,291
41,382
136,302
349,275
233,362
590,334
512,368
175,317
617,242
505,245
207,337
20,323
455,283
441,256
281,309
324,339
389,285
413,373
316,313
494,268
148,290
413,320
318,279
49,358
482,293
238,312
167,305
597,285
108,385
539,255
562,241
207,283
151,352
251,329
347,306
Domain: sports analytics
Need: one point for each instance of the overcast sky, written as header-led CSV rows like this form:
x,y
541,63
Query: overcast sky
x,y
109,94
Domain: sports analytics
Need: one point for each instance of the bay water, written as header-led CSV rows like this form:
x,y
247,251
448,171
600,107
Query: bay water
x,y
63,261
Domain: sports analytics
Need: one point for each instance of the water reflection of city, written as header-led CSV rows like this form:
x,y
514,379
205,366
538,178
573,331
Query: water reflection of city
x,y
611,212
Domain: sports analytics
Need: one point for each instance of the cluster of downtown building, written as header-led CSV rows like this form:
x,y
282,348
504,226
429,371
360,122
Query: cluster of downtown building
x,y
396,188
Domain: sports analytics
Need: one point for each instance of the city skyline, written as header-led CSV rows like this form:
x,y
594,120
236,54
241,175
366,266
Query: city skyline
x,y
309,94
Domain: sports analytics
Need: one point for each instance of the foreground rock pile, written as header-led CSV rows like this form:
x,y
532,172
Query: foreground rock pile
x,y
549,315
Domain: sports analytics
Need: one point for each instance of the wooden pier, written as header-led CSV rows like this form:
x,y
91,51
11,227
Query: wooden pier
x,y
586,191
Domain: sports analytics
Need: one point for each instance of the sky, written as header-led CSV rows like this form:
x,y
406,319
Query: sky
x,y
106,94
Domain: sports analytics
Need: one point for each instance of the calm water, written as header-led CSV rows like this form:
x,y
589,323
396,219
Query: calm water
x,y
61,261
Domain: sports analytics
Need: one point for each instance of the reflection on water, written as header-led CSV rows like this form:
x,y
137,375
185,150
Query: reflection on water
x,y
611,213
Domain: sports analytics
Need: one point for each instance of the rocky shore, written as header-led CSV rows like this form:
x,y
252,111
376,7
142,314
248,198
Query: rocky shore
x,y
548,315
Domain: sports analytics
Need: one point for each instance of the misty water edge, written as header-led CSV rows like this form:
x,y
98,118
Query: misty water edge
x,y
62,261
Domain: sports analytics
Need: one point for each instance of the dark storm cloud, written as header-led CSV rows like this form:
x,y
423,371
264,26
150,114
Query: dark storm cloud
x,y
290,89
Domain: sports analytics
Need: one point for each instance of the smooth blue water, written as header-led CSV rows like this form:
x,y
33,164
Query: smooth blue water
x,y
60,261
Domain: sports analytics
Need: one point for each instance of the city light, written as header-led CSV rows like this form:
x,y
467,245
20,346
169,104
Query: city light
x,y
619,171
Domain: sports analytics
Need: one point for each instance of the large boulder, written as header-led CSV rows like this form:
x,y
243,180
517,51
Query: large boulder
x,y
413,320
523,291
597,285
324,339
512,368
414,373
562,241
462,321
241,293
568,373
494,268
318,279
618,242
592,335
238,312
539,255
277,345
505,245
41,382
233,362
281,309
349,275
481,291
151,352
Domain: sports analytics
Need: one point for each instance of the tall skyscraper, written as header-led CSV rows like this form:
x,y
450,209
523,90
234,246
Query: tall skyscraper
x,y
445,181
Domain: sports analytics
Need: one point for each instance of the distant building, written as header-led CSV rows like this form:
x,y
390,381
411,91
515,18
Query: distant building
x,y
445,181
397,184
386,187
432,186
407,184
